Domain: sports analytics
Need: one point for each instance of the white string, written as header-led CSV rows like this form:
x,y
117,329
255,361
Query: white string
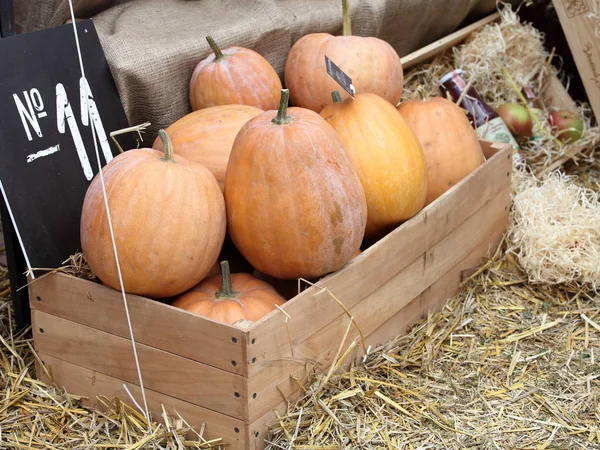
x,y
112,236
14,224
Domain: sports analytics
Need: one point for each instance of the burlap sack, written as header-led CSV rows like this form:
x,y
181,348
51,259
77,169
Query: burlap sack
x,y
152,46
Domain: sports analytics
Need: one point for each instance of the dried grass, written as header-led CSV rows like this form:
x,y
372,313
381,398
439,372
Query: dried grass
x,y
505,365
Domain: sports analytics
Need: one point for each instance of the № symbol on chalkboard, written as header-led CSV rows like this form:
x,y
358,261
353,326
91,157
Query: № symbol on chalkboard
x,y
31,110
339,76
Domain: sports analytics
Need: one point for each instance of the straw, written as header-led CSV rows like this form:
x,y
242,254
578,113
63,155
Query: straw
x,y
503,365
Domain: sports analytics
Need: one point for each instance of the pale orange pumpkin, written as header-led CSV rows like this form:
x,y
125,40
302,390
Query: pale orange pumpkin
x,y
206,136
372,64
168,217
387,156
229,297
295,206
450,144
235,75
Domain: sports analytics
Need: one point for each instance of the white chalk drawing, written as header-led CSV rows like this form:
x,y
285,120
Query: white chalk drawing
x,y
41,153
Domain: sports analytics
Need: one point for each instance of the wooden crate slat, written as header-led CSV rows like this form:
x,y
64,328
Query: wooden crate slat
x,y
91,384
163,372
434,297
579,28
373,311
376,265
155,324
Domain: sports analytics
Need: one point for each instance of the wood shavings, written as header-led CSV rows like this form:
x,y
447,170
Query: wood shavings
x,y
555,230
511,45
523,379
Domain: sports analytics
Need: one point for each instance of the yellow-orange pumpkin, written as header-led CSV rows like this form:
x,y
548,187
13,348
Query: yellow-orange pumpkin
x,y
387,156
450,144
295,206
372,63
230,297
206,136
168,217
235,75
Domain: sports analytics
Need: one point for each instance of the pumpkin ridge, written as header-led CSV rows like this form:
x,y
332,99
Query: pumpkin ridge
x,y
259,92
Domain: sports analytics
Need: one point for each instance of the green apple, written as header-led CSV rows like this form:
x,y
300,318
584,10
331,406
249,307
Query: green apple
x,y
566,125
517,120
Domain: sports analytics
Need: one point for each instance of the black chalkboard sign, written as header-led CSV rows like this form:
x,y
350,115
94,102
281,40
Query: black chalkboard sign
x,y
339,76
47,154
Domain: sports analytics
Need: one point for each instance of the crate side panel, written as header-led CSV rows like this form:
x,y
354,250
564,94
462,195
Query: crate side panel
x,y
376,265
376,309
163,372
433,298
154,323
80,381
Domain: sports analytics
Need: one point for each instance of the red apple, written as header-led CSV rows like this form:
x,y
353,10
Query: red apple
x,y
566,125
517,119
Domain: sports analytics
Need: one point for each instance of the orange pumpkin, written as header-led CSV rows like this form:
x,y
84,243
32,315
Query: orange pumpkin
x,y
230,297
372,63
234,76
168,217
451,146
206,136
387,156
295,206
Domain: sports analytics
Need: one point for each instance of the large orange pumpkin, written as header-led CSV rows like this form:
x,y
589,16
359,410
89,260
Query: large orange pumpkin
x,y
235,75
230,297
168,217
372,63
387,156
451,146
295,206
206,136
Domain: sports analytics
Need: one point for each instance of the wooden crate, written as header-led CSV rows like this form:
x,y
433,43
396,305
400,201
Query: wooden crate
x,y
232,378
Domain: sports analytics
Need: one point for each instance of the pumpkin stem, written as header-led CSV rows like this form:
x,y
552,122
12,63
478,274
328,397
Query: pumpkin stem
x,y
167,146
215,48
346,26
282,117
336,97
226,286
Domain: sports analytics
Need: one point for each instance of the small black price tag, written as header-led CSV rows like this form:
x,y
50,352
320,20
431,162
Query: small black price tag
x,y
339,76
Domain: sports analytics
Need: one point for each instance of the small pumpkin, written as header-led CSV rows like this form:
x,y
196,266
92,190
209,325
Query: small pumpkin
x,y
450,143
235,75
295,206
229,298
206,136
168,217
372,63
387,156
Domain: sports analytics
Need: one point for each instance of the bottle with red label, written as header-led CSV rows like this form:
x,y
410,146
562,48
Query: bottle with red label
x,y
486,121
